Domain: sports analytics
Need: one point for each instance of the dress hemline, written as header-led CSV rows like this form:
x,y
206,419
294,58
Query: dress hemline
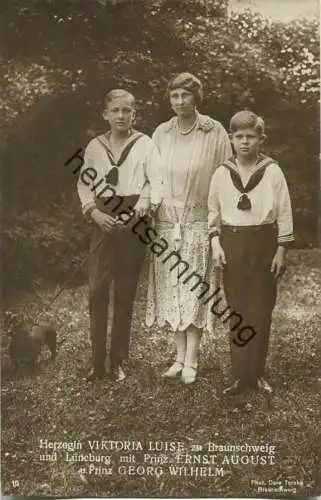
x,y
165,323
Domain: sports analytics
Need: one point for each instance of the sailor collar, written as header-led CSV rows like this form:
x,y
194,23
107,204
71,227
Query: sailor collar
x,y
262,163
204,123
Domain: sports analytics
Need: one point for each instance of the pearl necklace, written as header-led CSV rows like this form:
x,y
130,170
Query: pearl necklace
x,y
185,132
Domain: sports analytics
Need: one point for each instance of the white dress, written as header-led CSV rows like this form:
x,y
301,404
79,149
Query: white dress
x,y
189,162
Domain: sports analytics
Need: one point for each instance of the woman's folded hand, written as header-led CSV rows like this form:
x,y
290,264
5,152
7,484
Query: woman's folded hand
x,y
142,207
218,253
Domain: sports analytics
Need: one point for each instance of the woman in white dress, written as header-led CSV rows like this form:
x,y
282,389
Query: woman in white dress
x,y
192,146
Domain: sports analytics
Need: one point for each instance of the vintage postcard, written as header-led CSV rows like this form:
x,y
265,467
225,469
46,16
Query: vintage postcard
x,y
161,275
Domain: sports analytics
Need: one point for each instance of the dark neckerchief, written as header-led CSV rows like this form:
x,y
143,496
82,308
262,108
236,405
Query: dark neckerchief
x,y
113,175
262,163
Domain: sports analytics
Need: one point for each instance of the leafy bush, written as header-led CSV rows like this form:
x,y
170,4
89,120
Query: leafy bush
x,y
47,248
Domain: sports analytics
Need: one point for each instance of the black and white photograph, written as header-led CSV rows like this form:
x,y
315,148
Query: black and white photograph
x,y
161,229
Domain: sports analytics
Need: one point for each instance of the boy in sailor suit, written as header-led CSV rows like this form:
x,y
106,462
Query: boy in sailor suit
x,y
250,222
120,179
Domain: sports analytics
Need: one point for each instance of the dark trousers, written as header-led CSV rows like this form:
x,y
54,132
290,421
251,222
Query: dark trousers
x,y
250,289
118,258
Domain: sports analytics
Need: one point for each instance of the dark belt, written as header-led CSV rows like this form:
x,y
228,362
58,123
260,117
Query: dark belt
x,y
240,229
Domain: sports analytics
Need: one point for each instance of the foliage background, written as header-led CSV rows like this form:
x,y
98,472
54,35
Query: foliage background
x,y
59,60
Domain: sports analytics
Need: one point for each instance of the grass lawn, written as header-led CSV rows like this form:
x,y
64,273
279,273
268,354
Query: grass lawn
x,y
58,405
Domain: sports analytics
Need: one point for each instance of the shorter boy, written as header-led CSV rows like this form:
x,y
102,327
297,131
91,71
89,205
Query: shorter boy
x,y
250,222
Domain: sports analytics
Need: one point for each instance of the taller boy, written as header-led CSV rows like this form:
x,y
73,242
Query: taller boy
x,y
250,221
120,178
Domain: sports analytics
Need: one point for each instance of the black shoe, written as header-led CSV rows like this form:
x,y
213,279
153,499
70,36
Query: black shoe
x,y
95,373
236,388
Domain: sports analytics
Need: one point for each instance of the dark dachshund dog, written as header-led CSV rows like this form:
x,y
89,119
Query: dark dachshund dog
x,y
25,346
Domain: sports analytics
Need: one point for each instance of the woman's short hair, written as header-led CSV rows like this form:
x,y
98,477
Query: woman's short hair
x,y
247,119
119,93
189,82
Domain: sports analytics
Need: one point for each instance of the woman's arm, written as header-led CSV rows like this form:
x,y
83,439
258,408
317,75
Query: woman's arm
x,y
154,174
223,149
214,221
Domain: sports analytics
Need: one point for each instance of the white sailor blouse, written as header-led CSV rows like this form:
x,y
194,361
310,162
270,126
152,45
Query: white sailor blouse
x,y
264,199
137,171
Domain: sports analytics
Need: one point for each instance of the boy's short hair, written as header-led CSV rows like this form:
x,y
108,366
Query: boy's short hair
x,y
189,82
116,93
247,119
